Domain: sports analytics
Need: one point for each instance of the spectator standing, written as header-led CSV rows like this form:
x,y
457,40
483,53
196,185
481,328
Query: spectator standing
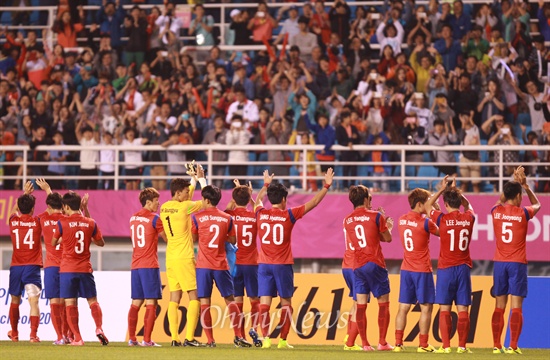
x,y
202,26
340,15
534,99
278,132
169,27
262,24
87,137
243,107
460,22
136,30
290,25
543,16
56,159
449,48
390,34
107,161
324,135
469,135
237,135
304,138
305,40
110,18
505,136
217,137
347,135
67,29
304,107
320,23
441,136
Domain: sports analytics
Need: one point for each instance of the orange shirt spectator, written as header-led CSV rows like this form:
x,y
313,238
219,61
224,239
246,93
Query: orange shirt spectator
x,y
66,30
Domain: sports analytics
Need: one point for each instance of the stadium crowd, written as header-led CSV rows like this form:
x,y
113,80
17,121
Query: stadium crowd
x,y
445,73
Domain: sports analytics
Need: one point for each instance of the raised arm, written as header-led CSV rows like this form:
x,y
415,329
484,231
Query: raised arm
x,y
311,204
519,176
44,185
432,200
267,181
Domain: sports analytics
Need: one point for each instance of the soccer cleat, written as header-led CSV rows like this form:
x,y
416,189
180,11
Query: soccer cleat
x,y
149,344
355,347
498,351
255,339
14,336
283,344
240,342
427,349
368,348
266,343
211,344
346,338
132,343
398,348
77,343
59,342
386,347
443,350
461,350
513,351
193,343
34,339
101,336
175,343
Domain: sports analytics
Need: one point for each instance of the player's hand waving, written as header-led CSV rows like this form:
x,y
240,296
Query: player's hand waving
x,y
519,176
28,188
200,171
43,184
329,176
268,178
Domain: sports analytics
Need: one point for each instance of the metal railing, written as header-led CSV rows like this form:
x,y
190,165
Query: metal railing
x,y
302,166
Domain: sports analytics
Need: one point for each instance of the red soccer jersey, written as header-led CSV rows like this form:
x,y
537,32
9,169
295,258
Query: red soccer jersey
x,y
415,230
363,228
349,255
213,227
145,227
49,228
25,237
275,231
455,234
510,227
77,233
246,231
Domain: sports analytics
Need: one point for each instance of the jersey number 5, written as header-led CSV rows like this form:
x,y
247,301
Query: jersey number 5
x,y
506,232
246,236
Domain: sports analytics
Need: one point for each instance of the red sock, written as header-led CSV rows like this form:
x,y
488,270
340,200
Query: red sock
x,y
463,328
361,319
56,319
423,340
286,321
516,323
399,337
497,324
235,316
254,313
241,320
206,322
149,322
353,331
444,328
132,322
72,314
97,315
34,320
383,321
349,323
265,319
14,317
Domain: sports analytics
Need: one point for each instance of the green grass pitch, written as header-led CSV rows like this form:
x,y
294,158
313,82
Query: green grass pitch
x,y
94,351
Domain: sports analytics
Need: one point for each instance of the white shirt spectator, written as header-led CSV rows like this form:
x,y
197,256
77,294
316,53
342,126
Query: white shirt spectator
x,y
290,27
175,25
249,111
88,158
171,121
237,137
132,159
107,159
179,157
425,116
394,42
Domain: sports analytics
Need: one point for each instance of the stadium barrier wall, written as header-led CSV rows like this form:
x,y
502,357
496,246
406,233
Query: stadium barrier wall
x,y
321,304
319,234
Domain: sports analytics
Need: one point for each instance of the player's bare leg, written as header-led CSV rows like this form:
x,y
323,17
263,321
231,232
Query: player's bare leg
x,y
206,321
400,324
236,317
132,321
193,312
353,330
445,325
265,320
13,334
97,315
424,324
56,309
516,323
497,323
149,322
463,328
285,323
361,319
383,322
173,319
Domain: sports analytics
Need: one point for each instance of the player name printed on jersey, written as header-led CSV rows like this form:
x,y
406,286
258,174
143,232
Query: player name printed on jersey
x,y
462,223
23,223
74,224
245,219
357,219
212,218
273,218
408,223
505,217
140,219
510,226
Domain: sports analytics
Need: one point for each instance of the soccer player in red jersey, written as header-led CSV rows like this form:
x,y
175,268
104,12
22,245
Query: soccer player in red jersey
x,y
510,221
365,229
77,232
26,261
145,228
212,228
453,267
48,222
275,274
246,276
417,282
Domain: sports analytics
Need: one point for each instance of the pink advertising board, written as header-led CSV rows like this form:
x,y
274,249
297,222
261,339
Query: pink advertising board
x,y
319,234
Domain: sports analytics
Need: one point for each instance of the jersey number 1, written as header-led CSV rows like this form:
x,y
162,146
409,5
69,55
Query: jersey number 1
x,y
169,226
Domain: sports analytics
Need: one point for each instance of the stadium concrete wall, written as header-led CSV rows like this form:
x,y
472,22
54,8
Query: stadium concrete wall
x,y
321,304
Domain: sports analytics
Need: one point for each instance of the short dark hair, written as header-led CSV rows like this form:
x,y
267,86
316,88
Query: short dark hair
x,y
25,203
212,193
55,201
418,196
148,194
241,195
511,190
72,200
178,184
358,194
276,192
439,122
453,197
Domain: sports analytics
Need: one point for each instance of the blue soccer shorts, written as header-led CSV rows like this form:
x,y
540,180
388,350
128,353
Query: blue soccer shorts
x,y
23,275
246,277
371,278
74,285
510,278
206,279
454,284
349,278
52,286
146,284
276,279
416,287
